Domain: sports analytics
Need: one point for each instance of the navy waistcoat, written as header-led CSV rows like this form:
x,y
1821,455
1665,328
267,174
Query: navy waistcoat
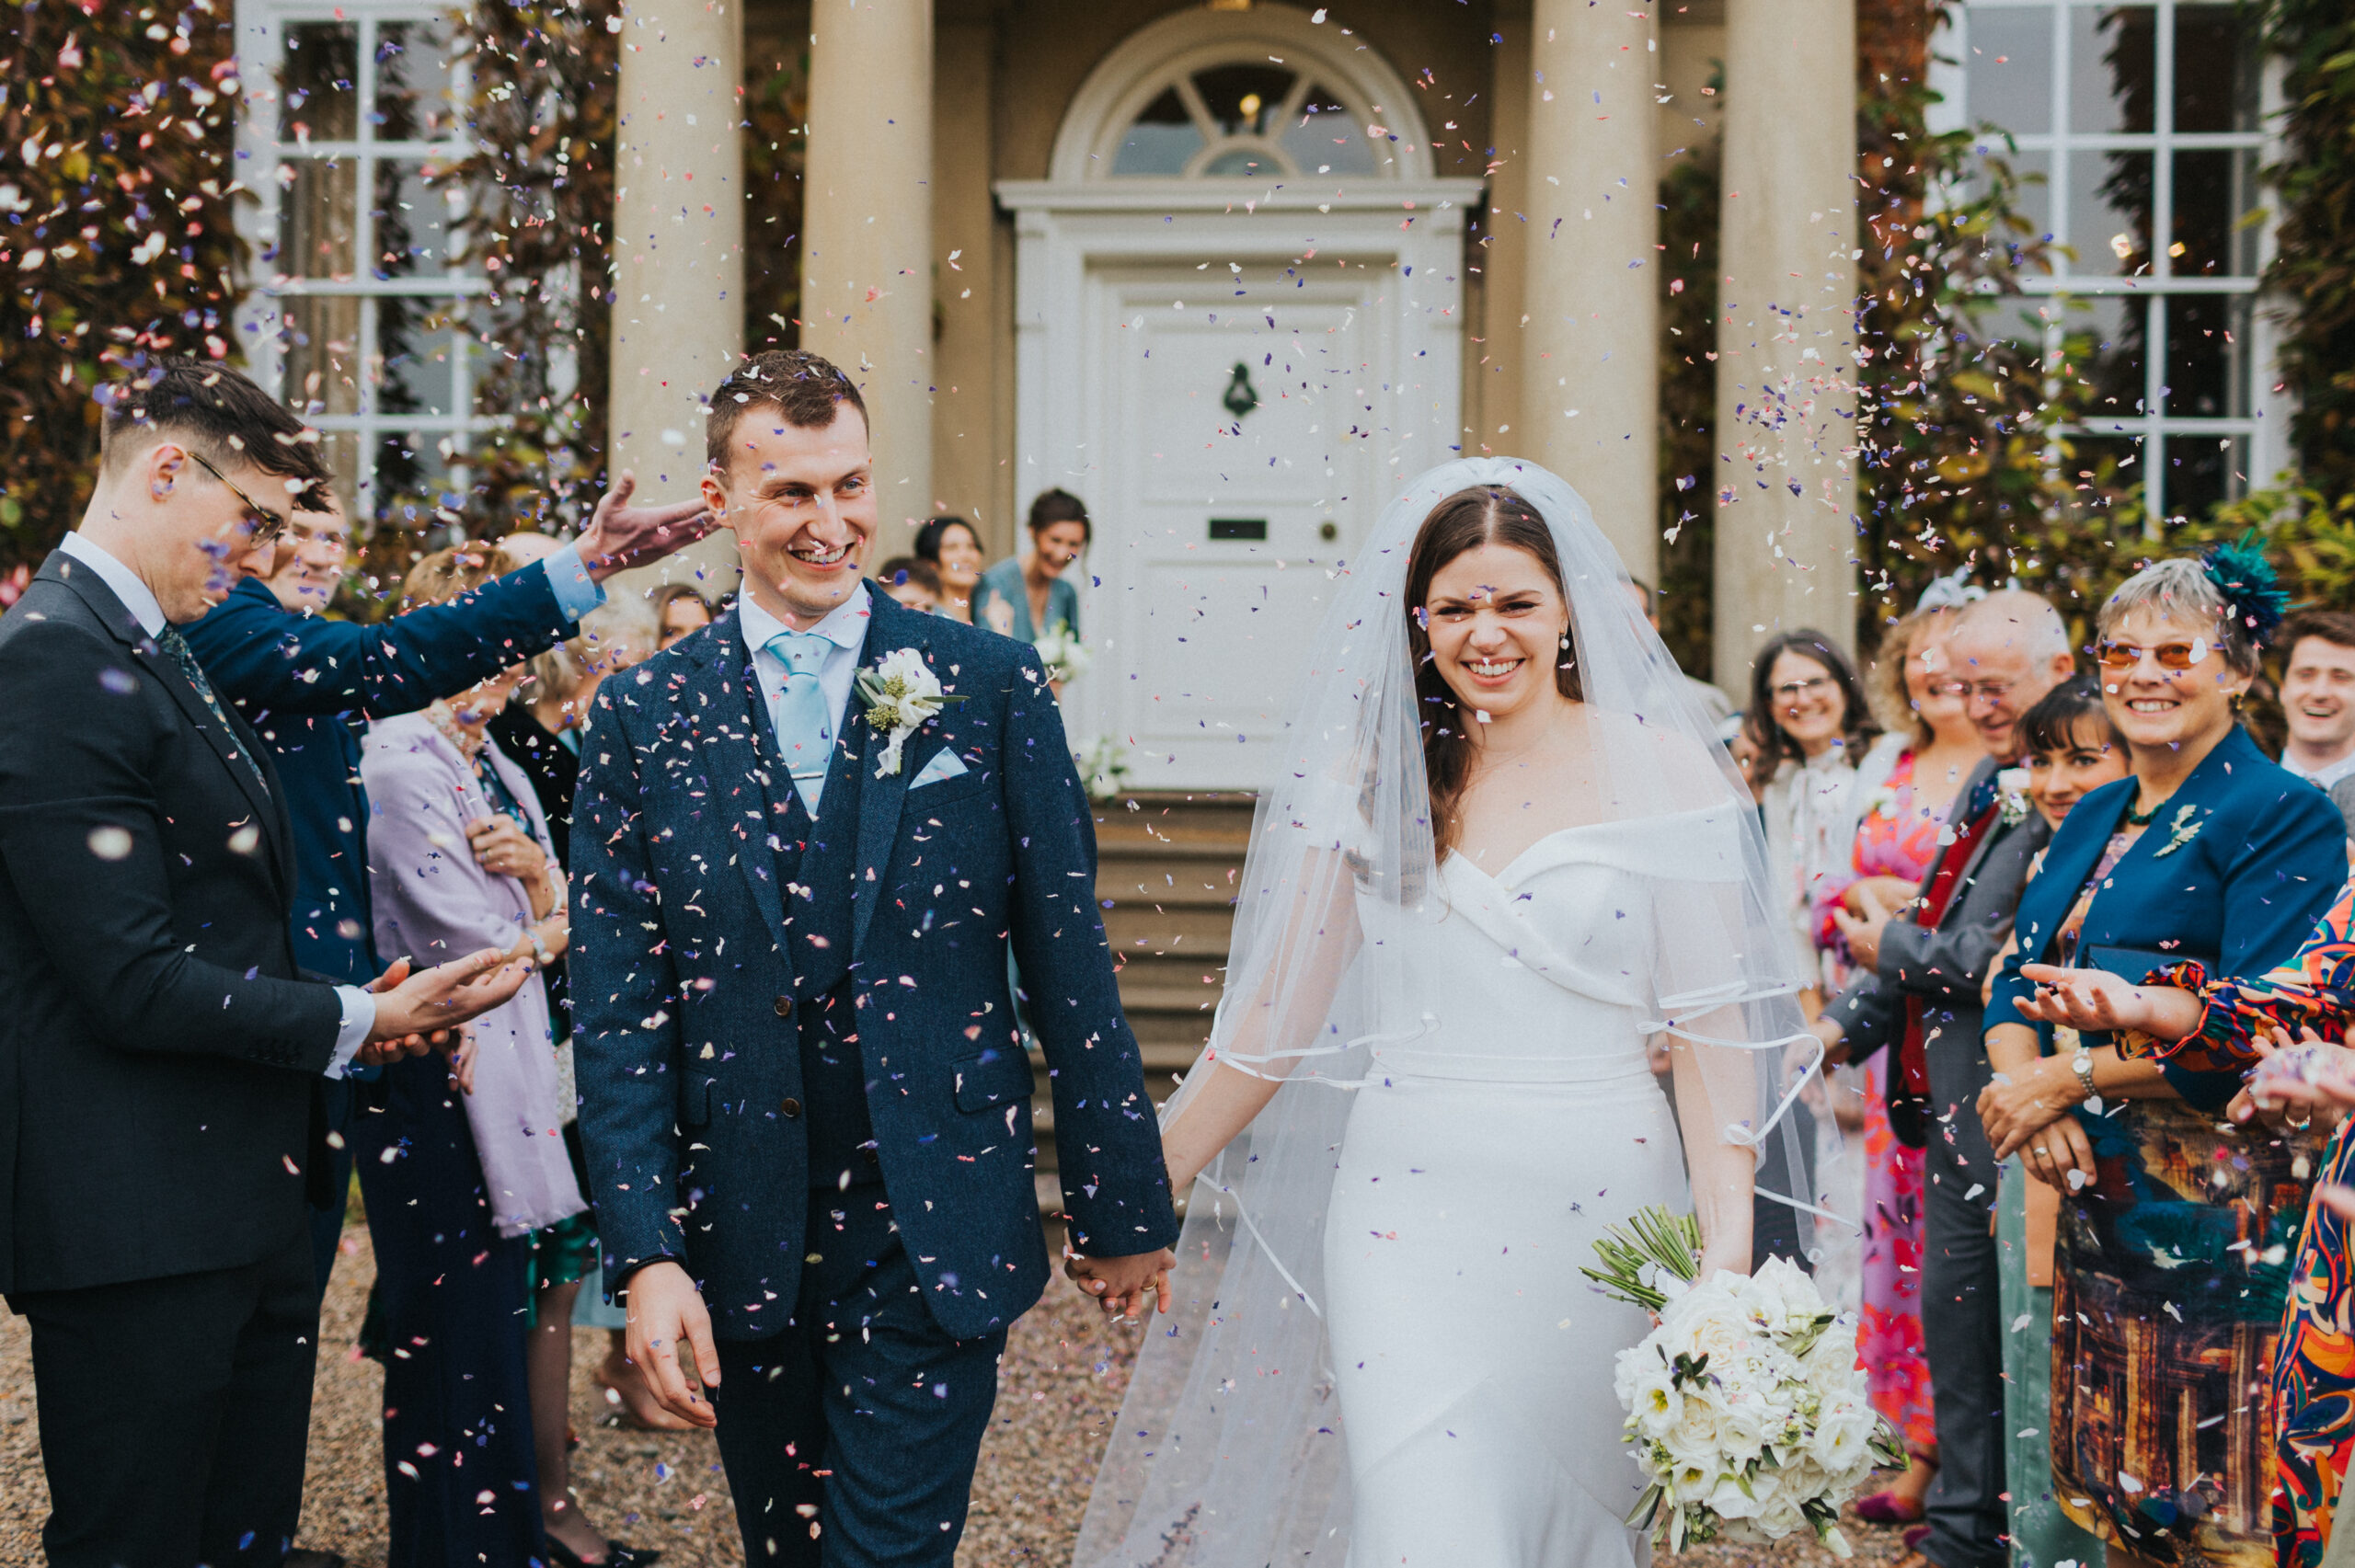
x,y
817,865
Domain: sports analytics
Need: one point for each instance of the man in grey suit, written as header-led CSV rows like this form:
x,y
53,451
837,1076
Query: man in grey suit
x,y
1926,967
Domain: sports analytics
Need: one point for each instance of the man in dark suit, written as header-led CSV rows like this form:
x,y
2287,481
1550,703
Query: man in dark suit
x,y
161,1046
803,1088
308,685
1924,972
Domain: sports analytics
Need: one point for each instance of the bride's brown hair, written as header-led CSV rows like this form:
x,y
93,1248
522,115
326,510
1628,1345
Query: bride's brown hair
x,y
1485,514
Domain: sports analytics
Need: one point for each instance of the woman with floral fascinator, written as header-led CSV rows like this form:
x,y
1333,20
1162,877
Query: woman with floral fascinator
x,y
1501,854
2176,1236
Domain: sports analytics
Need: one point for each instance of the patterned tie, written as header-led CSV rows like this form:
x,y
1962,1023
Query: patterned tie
x,y
801,717
172,643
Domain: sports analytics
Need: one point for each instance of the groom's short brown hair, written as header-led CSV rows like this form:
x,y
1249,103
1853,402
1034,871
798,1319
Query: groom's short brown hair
x,y
806,390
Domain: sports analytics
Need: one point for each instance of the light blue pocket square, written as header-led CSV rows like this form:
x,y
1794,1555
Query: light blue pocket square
x,y
945,765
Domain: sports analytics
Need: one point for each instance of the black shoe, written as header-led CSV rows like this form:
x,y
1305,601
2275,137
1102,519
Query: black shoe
x,y
311,1557
616,1556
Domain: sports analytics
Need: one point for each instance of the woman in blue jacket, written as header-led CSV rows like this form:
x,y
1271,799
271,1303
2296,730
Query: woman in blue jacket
x,y
2172,1259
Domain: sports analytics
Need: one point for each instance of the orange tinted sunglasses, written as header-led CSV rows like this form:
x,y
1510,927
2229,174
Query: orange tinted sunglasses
x,y
2171,655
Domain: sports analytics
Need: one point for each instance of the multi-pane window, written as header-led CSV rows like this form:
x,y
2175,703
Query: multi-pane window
x,y
1252,119
2144,123
358,310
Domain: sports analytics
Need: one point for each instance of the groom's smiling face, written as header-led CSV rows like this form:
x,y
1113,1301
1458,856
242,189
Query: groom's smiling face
x,y
802,499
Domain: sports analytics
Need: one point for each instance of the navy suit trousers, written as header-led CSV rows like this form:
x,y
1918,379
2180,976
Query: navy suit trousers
x,y
850,1439
452,1293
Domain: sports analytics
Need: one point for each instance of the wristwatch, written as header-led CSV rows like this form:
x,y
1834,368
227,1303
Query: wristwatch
x,y
2082,1064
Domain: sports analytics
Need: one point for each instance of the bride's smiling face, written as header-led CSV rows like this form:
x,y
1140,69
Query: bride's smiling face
x,y
1495,619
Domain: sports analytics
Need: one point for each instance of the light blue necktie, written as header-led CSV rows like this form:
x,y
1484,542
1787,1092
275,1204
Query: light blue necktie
x,y
801,717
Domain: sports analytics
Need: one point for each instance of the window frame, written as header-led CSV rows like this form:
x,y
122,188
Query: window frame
x,y
2264,424
262,27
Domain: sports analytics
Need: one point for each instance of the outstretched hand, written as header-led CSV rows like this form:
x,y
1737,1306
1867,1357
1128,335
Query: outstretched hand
x,y
1120,1285
421,1010
620,535
2098,1001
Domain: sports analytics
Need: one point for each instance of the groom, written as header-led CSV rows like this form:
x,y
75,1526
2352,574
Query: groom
x,y
804,1093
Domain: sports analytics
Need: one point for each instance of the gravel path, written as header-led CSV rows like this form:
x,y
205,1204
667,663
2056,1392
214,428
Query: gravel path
x,y
1060,1385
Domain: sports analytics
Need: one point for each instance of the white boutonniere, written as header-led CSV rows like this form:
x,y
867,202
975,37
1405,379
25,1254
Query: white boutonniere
x,y
1882,802
2180,831
2011,786
901,695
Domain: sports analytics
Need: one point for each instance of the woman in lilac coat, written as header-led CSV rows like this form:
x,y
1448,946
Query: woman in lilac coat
x,y
472,1194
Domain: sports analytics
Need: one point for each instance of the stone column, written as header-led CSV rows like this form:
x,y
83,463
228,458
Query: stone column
x,y
1590,378
678,254
866,283
1787,370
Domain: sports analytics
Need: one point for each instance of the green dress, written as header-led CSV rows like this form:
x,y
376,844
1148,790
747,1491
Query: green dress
x,y
2041,1533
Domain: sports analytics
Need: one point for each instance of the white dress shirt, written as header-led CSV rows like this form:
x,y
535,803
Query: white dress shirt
x,y
845,626
359,1006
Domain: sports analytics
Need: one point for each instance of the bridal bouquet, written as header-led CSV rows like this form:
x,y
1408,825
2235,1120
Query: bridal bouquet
x,y
1746,1410
1062,652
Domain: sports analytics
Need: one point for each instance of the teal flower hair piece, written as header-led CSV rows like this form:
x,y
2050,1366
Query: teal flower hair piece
x,y
2254,595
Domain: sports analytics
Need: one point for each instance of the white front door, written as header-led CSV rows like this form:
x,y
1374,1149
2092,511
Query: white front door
x,y
1243,418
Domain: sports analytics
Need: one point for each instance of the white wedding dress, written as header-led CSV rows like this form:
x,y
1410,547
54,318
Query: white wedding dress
x,y
1482,1161
1380,1350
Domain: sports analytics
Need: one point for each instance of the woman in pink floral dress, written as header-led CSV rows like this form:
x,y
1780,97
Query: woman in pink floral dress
x,y
1900,819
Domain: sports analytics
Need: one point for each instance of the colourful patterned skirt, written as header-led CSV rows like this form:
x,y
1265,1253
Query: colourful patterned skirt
x,y
2171,1270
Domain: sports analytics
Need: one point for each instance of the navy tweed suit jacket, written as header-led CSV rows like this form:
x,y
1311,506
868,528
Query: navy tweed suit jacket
x,y
683,947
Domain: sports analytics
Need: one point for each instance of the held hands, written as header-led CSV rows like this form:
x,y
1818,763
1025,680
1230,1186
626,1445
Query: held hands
x,y
664,1308
620,535
2016,1109
1120,1284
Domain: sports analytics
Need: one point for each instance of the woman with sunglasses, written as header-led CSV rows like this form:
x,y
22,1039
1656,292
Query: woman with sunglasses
x,y
2174,1250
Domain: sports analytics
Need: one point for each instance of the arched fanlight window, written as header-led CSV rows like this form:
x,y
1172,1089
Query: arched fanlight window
x,y
1246,119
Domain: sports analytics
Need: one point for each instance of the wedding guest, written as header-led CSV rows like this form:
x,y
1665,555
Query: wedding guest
x,y
1915,693
1922,1001
540,731
305,682
953,548
910,581
1812,728
2222,1024
2318,695
1026,596
1714,702
2208,854
680,611
164,1041
478,1181
2070,748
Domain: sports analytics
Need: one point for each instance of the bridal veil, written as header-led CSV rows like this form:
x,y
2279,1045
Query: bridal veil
x,y
1228,1449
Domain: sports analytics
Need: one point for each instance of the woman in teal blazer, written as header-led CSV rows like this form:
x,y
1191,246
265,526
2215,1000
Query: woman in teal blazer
x,y
2172,1260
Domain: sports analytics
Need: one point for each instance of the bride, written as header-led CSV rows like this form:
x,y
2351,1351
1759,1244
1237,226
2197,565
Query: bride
x,y
1502,856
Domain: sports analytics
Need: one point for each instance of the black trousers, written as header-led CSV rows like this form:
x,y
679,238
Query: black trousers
x,y
850,1439
174,1413
1961,1315
461,1477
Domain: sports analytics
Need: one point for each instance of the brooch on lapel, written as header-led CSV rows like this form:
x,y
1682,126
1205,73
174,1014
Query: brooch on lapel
x,y
2180,831
901,695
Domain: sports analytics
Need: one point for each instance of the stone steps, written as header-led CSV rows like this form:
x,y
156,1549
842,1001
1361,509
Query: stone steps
x,y
1166,869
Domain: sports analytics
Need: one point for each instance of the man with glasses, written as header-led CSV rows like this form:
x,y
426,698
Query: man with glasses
x,y
308,685
162,1046
1920,998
